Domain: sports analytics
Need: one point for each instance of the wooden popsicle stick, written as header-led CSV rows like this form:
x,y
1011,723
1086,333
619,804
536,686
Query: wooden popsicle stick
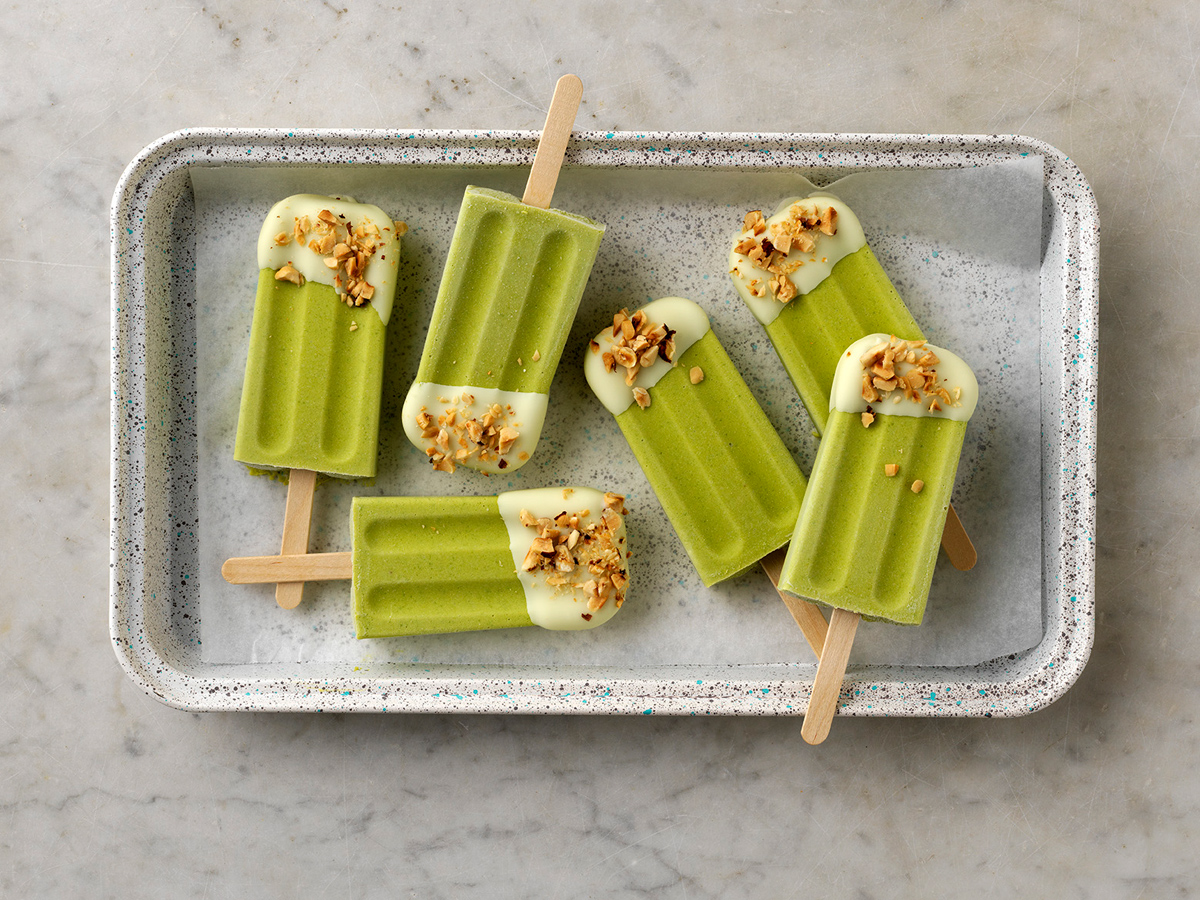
x,y
297,567
827,686
806,614
539,189
297,518
957,543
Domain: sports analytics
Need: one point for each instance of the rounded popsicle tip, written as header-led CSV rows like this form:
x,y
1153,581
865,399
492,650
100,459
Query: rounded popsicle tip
x,y
625,362
350,246
880,374
774,260
486,429
571,554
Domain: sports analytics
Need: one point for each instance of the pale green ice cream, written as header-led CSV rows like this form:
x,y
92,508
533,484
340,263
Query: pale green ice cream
x,y
512,283
432,565
841,294
866,541
724,478
314,371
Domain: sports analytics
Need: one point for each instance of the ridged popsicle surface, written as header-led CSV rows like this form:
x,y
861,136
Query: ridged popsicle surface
x,y
865,541
512,283
722,474
813,329
428,565
314,376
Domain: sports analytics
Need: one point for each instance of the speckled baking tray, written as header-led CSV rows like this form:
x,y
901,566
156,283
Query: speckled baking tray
x,y
158,606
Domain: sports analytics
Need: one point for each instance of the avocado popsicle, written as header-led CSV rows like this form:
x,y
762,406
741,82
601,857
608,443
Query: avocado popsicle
x,y
512,284
809,276
311,394
552,557
867,536
514,276
724,478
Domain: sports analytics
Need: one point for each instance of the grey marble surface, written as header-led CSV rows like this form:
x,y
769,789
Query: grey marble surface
x,y
105,792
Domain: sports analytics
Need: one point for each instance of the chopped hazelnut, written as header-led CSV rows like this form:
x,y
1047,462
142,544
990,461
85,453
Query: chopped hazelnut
x,y
287,272
696,375
917,485
891,469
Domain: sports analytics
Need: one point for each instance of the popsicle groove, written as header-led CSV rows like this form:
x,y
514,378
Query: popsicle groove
x,y
677,435
839,310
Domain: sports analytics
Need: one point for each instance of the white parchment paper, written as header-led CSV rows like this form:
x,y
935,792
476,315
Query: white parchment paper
x,y
963,248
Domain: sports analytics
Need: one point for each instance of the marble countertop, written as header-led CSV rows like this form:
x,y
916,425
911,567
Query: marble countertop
x,y
106,792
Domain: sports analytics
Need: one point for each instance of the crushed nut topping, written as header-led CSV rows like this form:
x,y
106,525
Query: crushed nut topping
x,y
696,375
890,469
464,430
287,272
344,249
767,246
905,369
917,486
581,556
637,344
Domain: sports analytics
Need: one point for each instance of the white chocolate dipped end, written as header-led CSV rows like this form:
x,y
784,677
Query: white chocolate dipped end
x,y
569,549
685,324
486,429
295,234
903,378
766,275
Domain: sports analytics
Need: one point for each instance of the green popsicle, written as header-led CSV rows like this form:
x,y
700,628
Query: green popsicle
x,y
808,275
867,536
310,398
552,557
513,280
723,476
430,565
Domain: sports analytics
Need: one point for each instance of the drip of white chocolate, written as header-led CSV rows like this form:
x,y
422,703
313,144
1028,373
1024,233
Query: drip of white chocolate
x,y
815,264
524,411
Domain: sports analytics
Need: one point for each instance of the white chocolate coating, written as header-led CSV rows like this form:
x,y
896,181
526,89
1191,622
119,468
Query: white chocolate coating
x,y
689,322
555,608
818,263
381,268
528,416
952,371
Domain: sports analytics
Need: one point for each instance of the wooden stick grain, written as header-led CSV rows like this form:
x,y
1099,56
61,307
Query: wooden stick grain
x,y
539,189
957,543
297,518
297,567
827,686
